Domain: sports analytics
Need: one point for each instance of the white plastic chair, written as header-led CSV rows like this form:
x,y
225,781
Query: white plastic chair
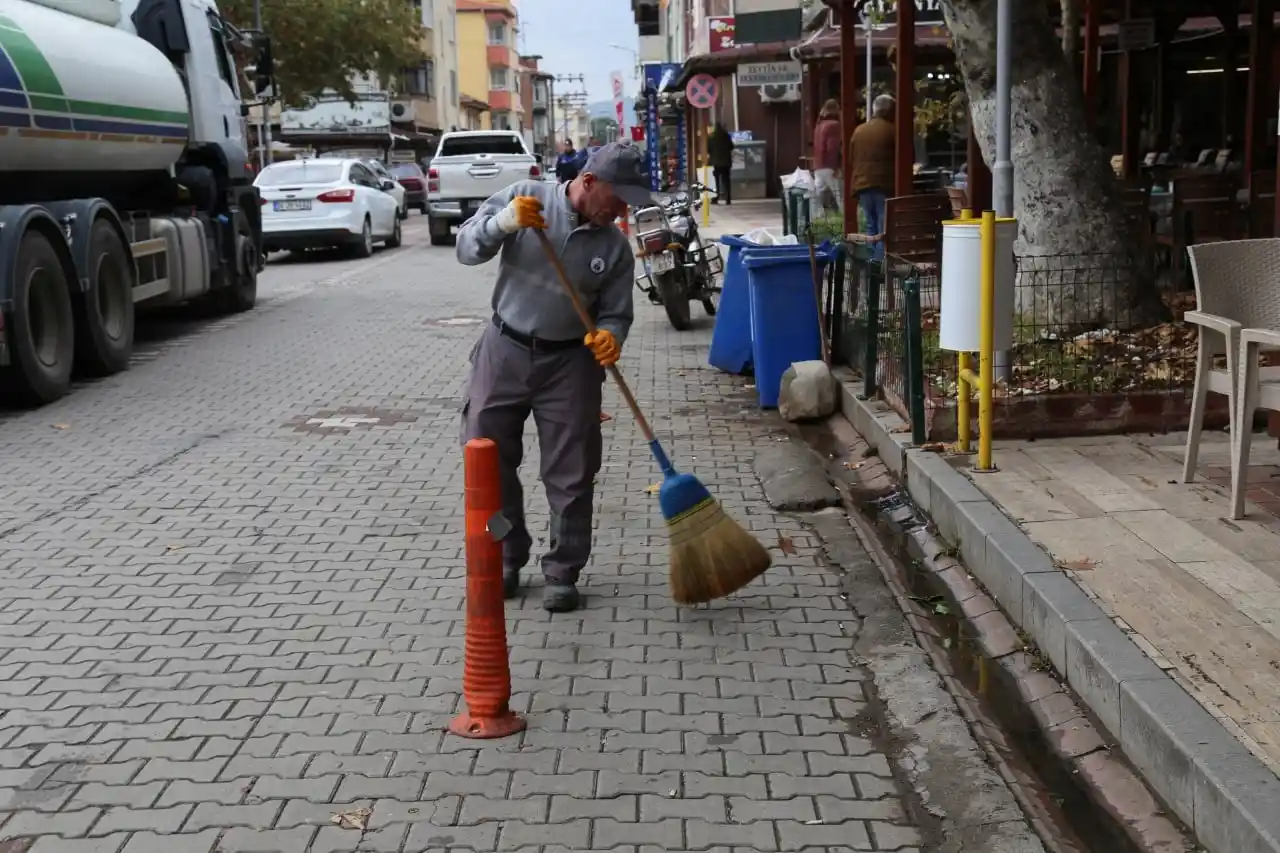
x,y
1238,304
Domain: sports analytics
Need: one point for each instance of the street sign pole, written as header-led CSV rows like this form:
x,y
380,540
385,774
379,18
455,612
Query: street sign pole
x,y
701,93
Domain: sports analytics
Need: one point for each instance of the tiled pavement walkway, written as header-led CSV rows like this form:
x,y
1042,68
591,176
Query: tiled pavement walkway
x,y
1199,591
228,615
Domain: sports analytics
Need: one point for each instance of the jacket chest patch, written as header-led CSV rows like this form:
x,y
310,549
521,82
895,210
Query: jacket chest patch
x,y
597,265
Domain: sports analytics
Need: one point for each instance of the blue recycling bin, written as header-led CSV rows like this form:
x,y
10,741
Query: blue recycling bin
x,y
784,313
731,339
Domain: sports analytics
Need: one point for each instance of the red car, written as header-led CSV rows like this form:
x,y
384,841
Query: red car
x,y
414,181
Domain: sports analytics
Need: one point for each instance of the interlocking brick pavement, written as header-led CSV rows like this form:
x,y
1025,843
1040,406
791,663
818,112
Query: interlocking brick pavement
x,y
217,631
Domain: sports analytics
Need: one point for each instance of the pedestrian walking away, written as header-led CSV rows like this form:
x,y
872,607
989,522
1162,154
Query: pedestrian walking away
x,y
537,358
871,156
720,153
827,160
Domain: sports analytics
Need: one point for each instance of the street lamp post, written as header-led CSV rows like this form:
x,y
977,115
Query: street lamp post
x,y
264,138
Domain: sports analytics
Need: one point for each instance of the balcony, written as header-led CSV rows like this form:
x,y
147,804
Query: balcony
x,y
646,14
502,55
502,100
415,111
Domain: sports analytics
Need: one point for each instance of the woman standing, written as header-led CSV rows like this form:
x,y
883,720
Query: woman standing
x,y
827,159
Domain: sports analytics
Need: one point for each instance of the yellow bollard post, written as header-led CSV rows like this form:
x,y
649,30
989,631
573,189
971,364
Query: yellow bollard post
x,y
964,391
986,340
706,196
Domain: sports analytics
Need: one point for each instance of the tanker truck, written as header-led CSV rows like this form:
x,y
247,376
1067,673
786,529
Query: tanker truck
x,y
124,181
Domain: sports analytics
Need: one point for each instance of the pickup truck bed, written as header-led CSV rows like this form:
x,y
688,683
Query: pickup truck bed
x,y
469,167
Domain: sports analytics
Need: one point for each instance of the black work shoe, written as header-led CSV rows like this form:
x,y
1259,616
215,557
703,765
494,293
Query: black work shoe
x,y
510,582
560,598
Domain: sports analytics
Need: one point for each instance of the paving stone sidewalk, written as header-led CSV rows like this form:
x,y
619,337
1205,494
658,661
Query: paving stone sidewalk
x,y
231,609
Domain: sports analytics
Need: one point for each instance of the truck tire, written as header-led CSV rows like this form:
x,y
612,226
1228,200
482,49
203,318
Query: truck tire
x,y
104,313
674,300
364,246
42,325
242,295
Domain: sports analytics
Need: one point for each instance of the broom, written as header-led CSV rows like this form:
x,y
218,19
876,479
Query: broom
x,y
711,555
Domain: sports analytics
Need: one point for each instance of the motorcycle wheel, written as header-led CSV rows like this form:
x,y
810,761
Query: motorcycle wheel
x,y
709,305
674,300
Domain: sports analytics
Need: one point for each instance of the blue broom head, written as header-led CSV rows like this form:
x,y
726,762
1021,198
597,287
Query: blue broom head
x,y
681,494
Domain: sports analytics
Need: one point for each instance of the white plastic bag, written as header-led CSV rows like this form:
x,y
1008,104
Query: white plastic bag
x,y
800,179
765,237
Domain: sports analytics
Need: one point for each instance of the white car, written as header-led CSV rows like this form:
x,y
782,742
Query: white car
x,y
326,203
397,190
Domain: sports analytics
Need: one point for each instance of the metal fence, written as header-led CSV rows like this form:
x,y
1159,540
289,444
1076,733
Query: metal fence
x,y
1083,329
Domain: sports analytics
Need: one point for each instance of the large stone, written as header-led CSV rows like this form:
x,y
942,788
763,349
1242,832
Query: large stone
x,y
808,392
794,479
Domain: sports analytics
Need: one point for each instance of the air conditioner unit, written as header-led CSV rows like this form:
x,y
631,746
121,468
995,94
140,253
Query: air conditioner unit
x,y
779,94
403,111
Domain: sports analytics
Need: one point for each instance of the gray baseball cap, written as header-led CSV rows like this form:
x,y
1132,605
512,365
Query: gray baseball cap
x,y
622,166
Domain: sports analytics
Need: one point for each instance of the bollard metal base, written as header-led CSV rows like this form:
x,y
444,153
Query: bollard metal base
x,y
487,728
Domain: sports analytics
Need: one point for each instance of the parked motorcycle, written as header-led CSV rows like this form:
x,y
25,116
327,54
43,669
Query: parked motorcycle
x,y
679,266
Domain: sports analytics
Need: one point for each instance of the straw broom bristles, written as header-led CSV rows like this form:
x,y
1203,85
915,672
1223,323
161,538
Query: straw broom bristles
x,y
711,555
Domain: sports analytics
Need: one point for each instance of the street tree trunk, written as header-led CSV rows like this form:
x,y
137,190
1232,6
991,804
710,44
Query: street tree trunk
x,y
1071,16
1090,269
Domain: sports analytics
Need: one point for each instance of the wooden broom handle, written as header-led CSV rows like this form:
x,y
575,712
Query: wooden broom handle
x,y
554,258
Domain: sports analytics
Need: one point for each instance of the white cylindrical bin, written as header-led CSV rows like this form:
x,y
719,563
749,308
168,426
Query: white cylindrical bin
x,y
960,326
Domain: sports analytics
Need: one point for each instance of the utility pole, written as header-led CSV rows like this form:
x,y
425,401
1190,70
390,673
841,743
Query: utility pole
x,y
264,138
573,97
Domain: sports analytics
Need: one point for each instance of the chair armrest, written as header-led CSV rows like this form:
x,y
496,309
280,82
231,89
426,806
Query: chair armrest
x,y
1212,321
1265,337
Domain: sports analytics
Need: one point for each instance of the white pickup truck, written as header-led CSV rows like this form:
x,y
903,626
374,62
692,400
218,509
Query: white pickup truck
x,y
470,166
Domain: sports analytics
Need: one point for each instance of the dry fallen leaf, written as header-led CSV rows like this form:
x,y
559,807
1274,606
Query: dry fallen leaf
x,y
62,426
934,447
854,466
354,819
654,489
1084,564
786,546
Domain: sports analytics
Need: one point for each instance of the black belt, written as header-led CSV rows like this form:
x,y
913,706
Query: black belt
x,y
536,344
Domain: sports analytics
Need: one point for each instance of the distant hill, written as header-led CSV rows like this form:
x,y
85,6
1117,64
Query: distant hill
x,y
605,108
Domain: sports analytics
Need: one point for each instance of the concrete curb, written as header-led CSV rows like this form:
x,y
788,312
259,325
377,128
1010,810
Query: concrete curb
x,y
1206,777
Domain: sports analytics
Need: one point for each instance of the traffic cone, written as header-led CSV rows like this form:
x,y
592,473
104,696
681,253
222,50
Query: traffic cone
x,y
486,670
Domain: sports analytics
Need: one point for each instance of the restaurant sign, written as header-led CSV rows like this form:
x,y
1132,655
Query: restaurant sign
x,y
928,12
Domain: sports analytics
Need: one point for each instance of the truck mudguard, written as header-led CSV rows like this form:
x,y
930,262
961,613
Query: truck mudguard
x,y
77,217
15,221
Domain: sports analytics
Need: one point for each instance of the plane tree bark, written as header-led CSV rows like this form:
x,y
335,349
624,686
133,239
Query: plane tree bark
x,y
1067,200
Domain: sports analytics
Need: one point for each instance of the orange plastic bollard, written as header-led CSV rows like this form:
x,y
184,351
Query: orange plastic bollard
x,y
486,671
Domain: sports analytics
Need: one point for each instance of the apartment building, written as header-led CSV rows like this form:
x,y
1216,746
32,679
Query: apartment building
x,y
428,97
488,64
537,90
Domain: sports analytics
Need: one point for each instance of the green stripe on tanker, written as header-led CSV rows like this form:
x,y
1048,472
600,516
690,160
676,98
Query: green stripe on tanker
x,y
44,87
91,71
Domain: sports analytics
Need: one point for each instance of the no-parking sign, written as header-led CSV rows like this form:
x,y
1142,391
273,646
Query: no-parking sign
x,y
702,91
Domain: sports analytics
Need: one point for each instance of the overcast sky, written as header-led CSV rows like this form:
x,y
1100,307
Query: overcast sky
x,y
573,41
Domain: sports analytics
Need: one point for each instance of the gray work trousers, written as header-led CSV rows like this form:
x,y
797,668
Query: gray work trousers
x,y
563,390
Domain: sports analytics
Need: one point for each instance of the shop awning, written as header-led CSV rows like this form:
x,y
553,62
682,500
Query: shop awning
x,y
727,61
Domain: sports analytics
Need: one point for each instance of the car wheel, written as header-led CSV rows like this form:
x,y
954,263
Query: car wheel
x,y
364,248
396,238
439,230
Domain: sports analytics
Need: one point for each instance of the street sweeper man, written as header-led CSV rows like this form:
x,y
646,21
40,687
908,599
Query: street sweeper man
x,y
536,356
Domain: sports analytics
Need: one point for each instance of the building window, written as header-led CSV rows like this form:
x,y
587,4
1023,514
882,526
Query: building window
x,y
497,34
420,79
498,79
502,121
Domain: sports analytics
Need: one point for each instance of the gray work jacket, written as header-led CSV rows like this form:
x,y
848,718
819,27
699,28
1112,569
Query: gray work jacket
x,y
528,296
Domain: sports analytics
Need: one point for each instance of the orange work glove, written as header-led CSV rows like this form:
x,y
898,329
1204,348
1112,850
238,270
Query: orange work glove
x,y
521,212
604,346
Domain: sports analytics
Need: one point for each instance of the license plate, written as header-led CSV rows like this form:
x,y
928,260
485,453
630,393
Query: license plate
x,y
298,204
664,262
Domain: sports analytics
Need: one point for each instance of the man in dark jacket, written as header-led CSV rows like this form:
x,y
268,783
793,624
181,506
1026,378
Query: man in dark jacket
x,y
871,156
567,164
720,153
